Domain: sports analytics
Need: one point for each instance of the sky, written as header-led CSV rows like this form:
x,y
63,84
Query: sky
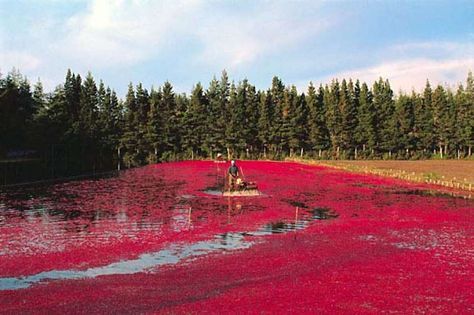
x,y
192,41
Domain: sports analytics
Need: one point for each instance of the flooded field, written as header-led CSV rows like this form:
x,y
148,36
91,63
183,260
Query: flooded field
x,y
162,239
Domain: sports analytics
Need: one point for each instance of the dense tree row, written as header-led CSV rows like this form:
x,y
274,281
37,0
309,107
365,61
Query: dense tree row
x,y
84,125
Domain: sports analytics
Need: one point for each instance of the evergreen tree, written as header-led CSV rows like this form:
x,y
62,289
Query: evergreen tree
x,y
250,123
348,110
386,124
217,95
171,134
450,125
333,115
80,125
194,122
423,124
129,138
440,119
154,130
235,131
404,112
17,110
265,121
365,133
298,136
182,106
215,140
38,95
277,97
318,134
110,121
88,108
286,128
466,116
142,100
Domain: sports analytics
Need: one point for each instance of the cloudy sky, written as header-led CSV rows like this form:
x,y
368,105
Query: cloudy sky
x,y
189,41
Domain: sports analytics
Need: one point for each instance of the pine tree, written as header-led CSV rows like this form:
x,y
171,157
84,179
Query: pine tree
x,y
110,121
386,127
73,91
17,110
423,124
154,131
365,133
217,95
142,100
277,97
128,141
182,106
404,112
348,110
333,115
440,119
215,140
171,134
235,131
286,129
88,108
451,124
318,134
38,95
250,122
298,115
467,116
265,121
193,122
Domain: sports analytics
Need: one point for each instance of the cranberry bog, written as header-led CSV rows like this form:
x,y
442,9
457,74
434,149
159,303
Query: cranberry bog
x,y
162,239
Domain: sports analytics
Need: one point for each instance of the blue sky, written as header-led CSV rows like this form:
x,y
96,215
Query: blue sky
x,y
189,41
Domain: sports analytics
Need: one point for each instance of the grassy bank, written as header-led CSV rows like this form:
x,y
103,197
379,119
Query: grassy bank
x,y
458,174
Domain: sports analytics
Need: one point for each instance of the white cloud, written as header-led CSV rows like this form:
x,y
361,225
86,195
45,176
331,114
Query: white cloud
x,y
19,60
411,74
198,37
410,65
112,33
239,40
436,47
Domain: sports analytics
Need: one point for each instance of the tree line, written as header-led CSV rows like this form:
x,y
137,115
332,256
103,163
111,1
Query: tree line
x,y
83,124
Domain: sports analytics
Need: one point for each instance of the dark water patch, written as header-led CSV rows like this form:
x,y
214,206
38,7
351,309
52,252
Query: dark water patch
x,y
366,185
214,190
171,255
57,215
426,193
283,227
323,214
295,203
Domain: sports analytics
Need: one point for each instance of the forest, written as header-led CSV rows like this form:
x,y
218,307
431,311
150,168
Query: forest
x,y
84,126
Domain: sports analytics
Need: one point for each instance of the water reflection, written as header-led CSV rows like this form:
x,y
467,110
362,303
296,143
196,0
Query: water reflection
x,y
144,263
99,213
173,254
323,214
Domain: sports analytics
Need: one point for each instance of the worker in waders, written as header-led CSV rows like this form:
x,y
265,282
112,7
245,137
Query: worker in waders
x,y
233,175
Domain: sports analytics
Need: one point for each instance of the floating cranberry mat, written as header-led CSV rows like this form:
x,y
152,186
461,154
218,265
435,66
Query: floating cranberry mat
x,y
162,239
